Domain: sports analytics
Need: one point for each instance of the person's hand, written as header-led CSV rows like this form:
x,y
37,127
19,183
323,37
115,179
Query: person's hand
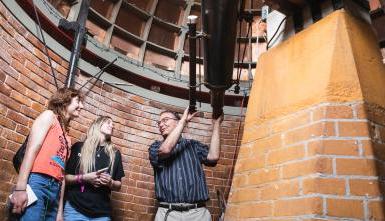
x,y
92,178
218,121
19,201
105,179
187,116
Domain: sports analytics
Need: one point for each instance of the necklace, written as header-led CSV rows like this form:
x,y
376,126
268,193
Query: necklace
x,y
98,150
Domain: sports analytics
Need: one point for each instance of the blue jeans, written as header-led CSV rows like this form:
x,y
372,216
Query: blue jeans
x,y
70,214
47,191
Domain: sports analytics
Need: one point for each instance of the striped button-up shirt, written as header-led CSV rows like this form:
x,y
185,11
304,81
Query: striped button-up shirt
x,y
180,178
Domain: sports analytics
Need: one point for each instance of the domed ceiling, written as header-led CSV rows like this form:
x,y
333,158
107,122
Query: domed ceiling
x,y
153,33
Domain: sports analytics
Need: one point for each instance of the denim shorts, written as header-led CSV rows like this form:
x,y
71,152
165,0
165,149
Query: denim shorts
x,y
70,214
47,191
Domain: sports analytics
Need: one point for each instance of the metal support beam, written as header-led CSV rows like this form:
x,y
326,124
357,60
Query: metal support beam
x,y
80,32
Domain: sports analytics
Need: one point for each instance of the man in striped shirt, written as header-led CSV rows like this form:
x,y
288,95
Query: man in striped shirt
x,y
180,183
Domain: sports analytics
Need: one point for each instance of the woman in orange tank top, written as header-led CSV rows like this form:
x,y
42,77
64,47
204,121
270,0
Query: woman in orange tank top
x,y
44,160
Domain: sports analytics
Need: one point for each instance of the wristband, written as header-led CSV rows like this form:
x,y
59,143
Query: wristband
x,y
16,190
79,180
81,183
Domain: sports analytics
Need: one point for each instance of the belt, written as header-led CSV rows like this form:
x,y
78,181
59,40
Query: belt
x,y
180,207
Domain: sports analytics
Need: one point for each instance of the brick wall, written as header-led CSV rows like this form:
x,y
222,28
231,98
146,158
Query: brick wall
x,y
25,86
325,161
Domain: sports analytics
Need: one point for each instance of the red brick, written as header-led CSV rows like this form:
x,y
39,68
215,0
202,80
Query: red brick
x,y
5,90
255,210
29,112
5,122
280,189
3,109
318,113
19,67
2,76
37,107
306,167
18,56
376,210
36,97
369,188
321,129
334,147
353,129
13,146
360,111
345,208
296,207
250,164
3,142
20,98
282,155
17,117
331,186
22,130
13,136
368,148
9,102
14,84
269,143
362,167
4,53
263,176
245,195
339,112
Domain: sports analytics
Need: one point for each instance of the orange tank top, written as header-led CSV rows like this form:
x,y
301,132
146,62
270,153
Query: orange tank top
x,y
53,153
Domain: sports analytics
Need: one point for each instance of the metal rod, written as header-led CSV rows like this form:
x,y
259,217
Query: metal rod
x,y
99,74
79,39
192,20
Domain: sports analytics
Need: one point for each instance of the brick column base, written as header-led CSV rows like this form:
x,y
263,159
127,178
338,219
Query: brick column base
x,y
313,144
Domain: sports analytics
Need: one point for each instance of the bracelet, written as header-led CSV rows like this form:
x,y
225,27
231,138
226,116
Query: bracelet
x,y
19,190
77,178
81,182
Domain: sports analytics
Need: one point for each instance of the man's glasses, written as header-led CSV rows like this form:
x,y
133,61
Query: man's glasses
x,y
164,120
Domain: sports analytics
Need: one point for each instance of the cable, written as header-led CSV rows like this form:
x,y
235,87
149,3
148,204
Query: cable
x,y
199,71
98,75
45,45
280,24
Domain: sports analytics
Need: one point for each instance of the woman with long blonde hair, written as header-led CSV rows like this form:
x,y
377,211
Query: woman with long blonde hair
x,y
43,165
93,171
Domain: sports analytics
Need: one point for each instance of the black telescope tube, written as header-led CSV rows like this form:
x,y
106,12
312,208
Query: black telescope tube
x,y
192,29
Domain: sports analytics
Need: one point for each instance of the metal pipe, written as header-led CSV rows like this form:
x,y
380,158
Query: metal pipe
x,y
192,26
219,22
79,39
